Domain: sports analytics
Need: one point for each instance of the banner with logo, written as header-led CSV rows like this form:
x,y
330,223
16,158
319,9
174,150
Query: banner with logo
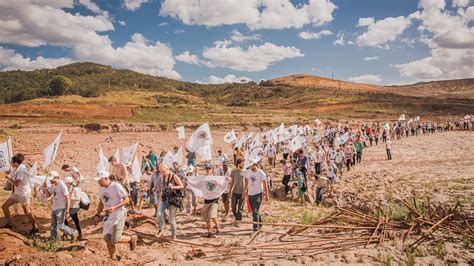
x,y
5,155
207,187
181,134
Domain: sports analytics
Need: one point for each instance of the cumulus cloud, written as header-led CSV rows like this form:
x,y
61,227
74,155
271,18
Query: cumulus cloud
x,y
187,57
91,6
33,23
369,79
121,22
133,5
382,31
10,60
371,58
340,40
306,35
450,39
253,58
227,79
256,14
239,37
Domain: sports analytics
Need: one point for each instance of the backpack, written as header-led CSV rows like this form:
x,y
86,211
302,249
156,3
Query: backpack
x,y
175,196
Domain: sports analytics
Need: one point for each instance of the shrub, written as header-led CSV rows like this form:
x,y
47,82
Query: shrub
x,y
93,127
59,84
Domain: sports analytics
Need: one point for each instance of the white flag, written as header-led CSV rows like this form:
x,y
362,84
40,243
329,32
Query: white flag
x,y
181,134
386,127
205,153
230,137
240,143
127,153
33,170
5,155
417,119
103,162
178,156
200,138
207,187
402,117
136,170
317,122
170,158
297,143
50,152
342,139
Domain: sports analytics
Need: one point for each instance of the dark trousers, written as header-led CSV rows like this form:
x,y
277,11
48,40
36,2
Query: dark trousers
x,y
320,194
226,201
389,154
359,156
317,168
255,202
237,203
134,192
285,181
304,171
75,218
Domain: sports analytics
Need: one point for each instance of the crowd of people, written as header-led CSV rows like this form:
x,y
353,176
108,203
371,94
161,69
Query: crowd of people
x,y
312,167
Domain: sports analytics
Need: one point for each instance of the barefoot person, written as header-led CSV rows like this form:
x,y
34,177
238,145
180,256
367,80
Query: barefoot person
x,y
20,180
60,207
113,199
255,186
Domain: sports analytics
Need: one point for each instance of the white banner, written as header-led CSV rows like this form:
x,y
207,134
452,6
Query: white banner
x,y
200,138
170,158
136,171
230,137
117,154
402,117
50,152
181,134
342,139
205,153
5,155
297,143
207,187
240,143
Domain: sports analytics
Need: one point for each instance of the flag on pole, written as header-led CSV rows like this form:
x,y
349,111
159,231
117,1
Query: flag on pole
x,y
5,155
50,152
317,122
402,117
117,154
230,137
386,126
297,143
136,170
181,134
207,187
103,162
170,158
417,119
127,153
200,138
342,139
240,143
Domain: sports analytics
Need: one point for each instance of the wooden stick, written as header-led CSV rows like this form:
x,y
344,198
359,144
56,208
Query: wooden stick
x,y
373,234
310,225
429,231
307,242
253,237
409,231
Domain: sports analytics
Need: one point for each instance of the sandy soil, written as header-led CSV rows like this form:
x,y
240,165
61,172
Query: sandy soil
x,y
437,166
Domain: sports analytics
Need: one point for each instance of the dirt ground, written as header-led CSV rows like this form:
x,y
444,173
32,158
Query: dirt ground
x,y
439,167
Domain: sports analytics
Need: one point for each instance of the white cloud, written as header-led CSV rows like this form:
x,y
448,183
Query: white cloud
x,y
10,60
461,3
256,14
371,58
187,57
369,79
306,35
121,22
133,5
239,37
340,40
227,79
179,31
31,23
253,58
382,31
363,22
91,6
450,39
162,24
139,54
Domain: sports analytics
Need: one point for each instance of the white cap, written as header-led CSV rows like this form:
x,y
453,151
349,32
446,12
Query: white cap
x,y
68,179
53,174
101,174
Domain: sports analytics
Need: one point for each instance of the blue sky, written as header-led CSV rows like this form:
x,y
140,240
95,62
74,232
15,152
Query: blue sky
x,y
369,41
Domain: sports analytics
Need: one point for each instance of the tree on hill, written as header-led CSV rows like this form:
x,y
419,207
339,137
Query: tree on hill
x,y
59,84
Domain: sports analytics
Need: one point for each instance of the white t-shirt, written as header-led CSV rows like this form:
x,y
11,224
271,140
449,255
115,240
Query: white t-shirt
x,y
75,174
330,169
318,156
255,180
389,145
271,152
59,191
339,157
111,196
74,194
332,154
21,173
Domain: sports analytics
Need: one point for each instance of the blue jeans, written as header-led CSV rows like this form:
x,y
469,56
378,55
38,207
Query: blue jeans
x,y
160,216
255,203
57,222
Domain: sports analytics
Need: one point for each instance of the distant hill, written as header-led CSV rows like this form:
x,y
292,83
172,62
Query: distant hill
x,y
102,92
